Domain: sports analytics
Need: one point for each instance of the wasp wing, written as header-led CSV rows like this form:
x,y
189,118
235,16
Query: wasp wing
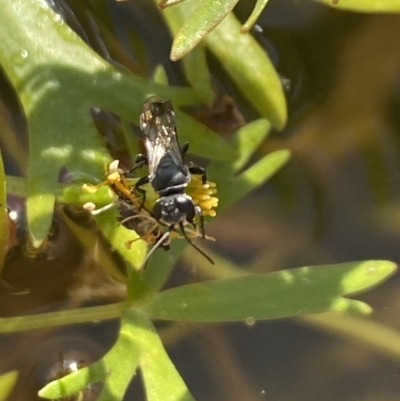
x,y
157,122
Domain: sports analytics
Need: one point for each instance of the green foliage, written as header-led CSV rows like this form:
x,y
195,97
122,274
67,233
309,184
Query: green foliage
x,y
58,79
370,6
203,16
7,383
248,65
268,296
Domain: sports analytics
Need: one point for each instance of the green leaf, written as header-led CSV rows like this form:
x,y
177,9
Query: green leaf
x,y
272,295
231,190
259,173
120,237
245,142
7,383
117,368
203,18
197,73
74,194
258,9
203,141
195,63
160,75
249,65
4,227
250,68
60,318
370,6
138,343
161,379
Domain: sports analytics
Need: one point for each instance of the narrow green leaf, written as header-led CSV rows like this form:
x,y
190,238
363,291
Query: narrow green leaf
x,y
4,228
370,6
160,75
250,68
197,73
117,368
161,379
230,190
376,336
249,65
122,361
121,238
259,173
203,141
75,382
258,9
194,64
245,142
7,383
204,18
60,318
272,295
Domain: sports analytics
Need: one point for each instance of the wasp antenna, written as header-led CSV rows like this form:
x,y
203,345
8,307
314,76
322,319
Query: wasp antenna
x,y
194,245
201,215
155,247
203,234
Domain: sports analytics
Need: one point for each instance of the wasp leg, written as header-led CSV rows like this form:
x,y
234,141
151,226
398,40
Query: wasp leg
x,y
199,212
197,170
182,229
139,183
140,160
159,243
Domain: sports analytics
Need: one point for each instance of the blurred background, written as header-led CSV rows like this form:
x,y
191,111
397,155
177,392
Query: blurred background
x,y
337,200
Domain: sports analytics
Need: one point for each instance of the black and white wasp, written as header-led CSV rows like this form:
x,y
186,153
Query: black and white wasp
x,y
168,174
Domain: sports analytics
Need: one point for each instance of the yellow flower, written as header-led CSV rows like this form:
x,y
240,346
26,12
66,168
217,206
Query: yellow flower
x,y
202,195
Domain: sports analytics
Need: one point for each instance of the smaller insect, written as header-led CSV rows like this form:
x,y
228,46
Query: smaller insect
x,y
133,216
168,174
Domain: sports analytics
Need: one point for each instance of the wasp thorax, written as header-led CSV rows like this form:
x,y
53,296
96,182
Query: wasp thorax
x,y
175,209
